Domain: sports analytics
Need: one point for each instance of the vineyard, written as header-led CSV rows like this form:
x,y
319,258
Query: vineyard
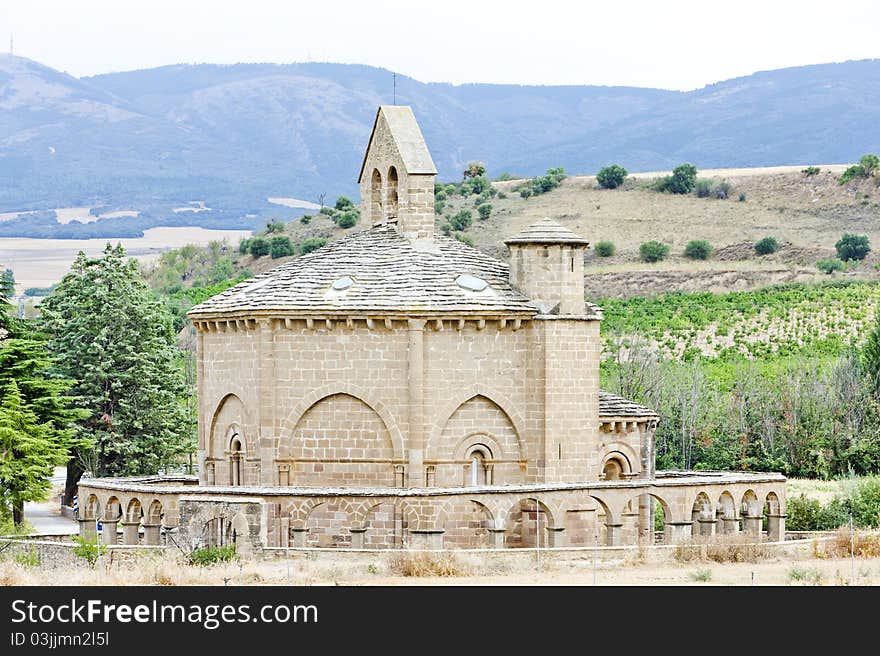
x,y
774,321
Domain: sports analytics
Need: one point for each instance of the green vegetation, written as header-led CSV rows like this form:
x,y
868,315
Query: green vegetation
x,y
274,226
29,558
258,247
703,188
698,249
682,181
7,286
462,220
347,219
811,170
611,177
653,251
207,556
311,244
111,335
860,498
280,246
772,379
605,249
742,197
485,211
88,550
541,185
830,265
701,576
866,168
766,246
852,247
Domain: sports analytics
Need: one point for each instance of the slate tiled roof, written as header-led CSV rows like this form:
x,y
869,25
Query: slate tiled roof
x,y
546,231
611,405
389,273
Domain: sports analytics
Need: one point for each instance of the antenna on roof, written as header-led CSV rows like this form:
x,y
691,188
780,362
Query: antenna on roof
x,y
395,87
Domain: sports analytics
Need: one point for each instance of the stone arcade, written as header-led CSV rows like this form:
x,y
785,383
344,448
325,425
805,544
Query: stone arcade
x,y
398,388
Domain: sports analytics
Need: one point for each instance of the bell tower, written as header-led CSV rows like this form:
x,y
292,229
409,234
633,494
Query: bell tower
x,y
397,175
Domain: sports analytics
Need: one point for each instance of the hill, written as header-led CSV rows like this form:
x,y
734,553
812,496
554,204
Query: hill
x,y
233,136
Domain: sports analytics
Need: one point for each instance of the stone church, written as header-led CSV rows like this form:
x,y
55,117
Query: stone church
x,y
398,388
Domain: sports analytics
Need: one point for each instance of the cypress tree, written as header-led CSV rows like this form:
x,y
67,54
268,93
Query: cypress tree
x,y
116,340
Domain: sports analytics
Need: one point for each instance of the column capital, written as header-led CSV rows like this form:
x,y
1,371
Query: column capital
x,y
416,324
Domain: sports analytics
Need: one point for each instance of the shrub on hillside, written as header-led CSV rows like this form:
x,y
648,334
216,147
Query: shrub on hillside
x,y
698,249
244,246
462,220
328,211
830,264
611,177
866,167
682,180
811,170
311,244
742,197
703,188
258,247
766,246
485,211
343,203
305,219
605,249
653,251
464,239
721,191
347,219
280,246
852,247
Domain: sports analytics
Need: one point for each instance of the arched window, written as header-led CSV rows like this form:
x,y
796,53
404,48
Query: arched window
x,y
235,460
376,197
391,196
479,468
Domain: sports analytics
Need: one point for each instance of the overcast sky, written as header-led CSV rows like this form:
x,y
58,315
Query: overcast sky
x,y
671,44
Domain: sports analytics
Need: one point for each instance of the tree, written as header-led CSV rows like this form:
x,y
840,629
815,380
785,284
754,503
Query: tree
x,y
698,249
869,163
611,177
311,244
258,247
116,340
474,170
852,247
684,177
766,246
280,247
274,226
485,211
462,220
653,251
29,451
7,286
605,249
343,203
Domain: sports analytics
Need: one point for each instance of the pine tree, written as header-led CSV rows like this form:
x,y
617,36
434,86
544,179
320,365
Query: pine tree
x,y
7,286
29,451
112,336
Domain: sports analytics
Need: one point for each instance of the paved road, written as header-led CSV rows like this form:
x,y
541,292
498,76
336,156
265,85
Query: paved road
x,y
45,516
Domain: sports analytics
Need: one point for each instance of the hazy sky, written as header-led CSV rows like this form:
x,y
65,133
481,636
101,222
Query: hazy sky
x,y
663,43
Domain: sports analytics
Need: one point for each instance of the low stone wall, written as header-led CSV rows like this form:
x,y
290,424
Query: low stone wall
x,y
54,553
612,513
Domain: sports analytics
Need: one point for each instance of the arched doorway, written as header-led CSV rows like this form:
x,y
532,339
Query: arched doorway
x,y
616,467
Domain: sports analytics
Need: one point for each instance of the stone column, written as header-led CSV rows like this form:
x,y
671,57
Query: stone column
x,y
613,535
284,532
707,527
266,348
130,532
108,535
646,519
87,529
415,443
555,536
357,537
152,534
730,525
200,378
752,525
300,537
426,539
497,537
678,532
776,528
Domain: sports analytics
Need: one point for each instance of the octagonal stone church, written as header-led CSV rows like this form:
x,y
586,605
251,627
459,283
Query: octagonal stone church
x,y
398,388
